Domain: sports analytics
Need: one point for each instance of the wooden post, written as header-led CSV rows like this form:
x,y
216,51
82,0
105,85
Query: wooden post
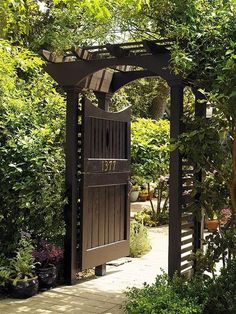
x,y
71,181
100,270
176,113
200,111
104,100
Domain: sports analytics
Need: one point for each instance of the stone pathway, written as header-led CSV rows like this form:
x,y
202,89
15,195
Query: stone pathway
x,y
100,294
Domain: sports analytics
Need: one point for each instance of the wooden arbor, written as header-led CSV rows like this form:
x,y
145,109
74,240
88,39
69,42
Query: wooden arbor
x,y
105,69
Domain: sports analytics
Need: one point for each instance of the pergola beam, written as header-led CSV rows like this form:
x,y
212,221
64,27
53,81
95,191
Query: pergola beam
x,y
117,51
154,48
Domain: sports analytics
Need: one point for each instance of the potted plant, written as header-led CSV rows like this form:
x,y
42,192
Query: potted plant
x,y
23,282
47,256
4,278
134,193
212,223
143,195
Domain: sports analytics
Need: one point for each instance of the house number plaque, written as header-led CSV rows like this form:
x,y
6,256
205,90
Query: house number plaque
x,y
108,165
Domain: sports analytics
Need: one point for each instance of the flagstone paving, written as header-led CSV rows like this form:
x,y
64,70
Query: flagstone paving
x,y
99,294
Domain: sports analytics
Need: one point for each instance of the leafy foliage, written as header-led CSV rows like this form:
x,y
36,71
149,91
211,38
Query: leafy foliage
x,y
23,264
150,148
202,295
59,24
139,240
207,145
151,218
47,254
220,246
148,97
31,149
161,297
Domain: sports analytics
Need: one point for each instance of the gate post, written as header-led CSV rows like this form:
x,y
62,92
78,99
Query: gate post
x,y
200,111
71,182
175,183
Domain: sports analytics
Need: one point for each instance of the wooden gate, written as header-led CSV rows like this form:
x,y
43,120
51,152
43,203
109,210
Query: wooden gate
x,y
105,176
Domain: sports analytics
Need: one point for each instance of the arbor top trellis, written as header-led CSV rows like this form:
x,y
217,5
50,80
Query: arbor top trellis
x,y
106,68
145,47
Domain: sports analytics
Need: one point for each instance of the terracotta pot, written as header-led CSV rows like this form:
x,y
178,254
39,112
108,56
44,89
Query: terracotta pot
x,y
24,289
143,197
47,277
212,225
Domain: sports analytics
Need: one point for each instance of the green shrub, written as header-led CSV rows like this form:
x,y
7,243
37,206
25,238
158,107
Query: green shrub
x,y
161,298
139,240
222,292
150,148
31,150
201,294
151,218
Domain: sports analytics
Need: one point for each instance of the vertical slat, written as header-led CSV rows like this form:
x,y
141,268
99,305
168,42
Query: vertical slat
x,y
101,217
89,217
115,156
113,139
92,137
125,141
99,138
117,211
96,138
95,218
121,139
111,214
103,138
110,138
106,235
122,211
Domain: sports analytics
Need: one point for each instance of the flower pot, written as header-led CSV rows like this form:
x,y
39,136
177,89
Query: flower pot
x,y
47,277
212,225
143,197
24,289
133,196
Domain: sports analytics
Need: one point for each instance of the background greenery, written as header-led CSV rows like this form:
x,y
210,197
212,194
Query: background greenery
x,y
150,148
31,149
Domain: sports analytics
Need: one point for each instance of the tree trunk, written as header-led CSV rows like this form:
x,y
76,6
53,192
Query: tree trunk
x,y
159,103
157,108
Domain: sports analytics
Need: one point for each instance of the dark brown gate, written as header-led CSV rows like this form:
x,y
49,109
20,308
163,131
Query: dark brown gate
x,y
104,186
